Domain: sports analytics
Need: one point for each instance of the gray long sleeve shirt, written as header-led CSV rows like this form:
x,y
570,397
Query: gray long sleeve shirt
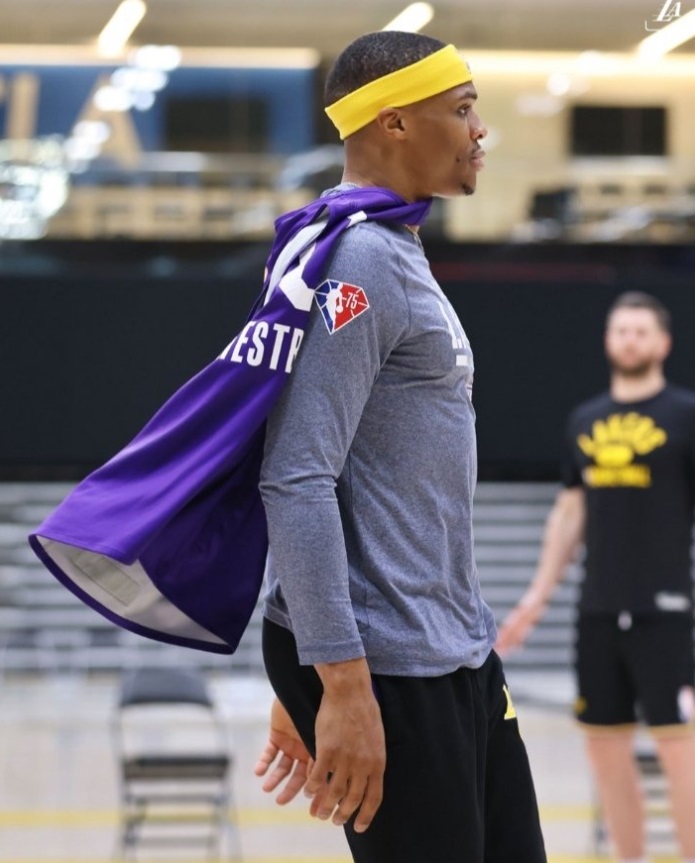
x,y
370,468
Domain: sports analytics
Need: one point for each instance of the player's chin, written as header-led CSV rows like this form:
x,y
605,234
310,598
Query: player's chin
x,y
457,186
632,367
469,183
465,186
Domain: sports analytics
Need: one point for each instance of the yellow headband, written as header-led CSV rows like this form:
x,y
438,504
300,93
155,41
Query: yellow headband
x,y
439,72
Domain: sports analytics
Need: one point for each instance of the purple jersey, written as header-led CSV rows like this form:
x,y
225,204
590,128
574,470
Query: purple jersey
x,y
168,538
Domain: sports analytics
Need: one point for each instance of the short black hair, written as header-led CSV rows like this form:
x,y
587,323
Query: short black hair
x,y
374,55
641,300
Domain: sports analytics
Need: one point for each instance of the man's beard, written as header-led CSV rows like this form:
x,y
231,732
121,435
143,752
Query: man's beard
x,y
639,370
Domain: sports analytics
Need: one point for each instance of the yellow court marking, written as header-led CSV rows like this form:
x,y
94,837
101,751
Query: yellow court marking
x,y
280,817
108,818
561,858
247,817
567,812
302,859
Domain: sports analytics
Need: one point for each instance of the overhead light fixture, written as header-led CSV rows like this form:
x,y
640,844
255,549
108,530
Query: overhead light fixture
x,y
109,98
81,149
92,130
134,79
164,57
587,66
589,62
413,18
114,37
210,58
558,84
662,41
143,100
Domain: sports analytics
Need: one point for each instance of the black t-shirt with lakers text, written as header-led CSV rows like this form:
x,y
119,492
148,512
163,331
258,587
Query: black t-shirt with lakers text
x,y
636,462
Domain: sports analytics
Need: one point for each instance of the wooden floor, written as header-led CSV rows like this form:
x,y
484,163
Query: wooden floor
x,y
59,799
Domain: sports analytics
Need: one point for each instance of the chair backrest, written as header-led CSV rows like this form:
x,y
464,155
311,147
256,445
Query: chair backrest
x,y
164,686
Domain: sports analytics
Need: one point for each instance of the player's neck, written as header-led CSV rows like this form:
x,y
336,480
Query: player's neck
x,y
625,388
384,180
370,162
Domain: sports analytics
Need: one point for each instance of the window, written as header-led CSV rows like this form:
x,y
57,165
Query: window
x,y
602,130
216,124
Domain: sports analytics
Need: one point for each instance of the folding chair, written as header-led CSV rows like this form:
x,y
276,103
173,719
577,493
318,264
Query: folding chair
x,y
174,766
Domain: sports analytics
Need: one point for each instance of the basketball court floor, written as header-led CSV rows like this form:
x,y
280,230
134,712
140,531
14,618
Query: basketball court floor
x,y
59,794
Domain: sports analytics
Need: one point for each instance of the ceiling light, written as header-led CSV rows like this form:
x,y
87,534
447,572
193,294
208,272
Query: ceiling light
x,y
544,63
114,37
81,149
662,41
164,57
558,84
589,62
128,78
92,130
209,58
143,100
113,99
413,18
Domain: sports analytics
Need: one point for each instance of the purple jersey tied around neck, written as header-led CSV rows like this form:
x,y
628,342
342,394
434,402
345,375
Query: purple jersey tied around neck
x,y
168,539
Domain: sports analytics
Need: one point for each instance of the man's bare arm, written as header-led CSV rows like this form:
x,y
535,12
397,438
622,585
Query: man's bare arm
x,y
564,533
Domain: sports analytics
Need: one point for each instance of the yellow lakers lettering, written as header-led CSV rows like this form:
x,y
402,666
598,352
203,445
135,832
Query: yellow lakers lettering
x,y
510,712
613,446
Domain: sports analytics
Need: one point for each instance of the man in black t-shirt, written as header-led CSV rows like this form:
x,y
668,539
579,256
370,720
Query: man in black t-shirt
x,y
629,478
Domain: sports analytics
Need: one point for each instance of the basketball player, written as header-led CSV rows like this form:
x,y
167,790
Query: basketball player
x,y
392,710
629,492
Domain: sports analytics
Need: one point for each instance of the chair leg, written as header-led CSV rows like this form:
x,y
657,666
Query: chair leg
x,y
134,815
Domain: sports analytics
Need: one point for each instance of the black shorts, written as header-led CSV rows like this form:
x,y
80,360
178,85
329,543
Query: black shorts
x,y
632,667
457,785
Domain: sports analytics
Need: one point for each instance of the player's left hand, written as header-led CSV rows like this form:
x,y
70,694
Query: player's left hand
x,y
290,757
519,623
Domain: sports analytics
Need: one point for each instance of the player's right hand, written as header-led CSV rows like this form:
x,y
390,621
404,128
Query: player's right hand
x,y
348,775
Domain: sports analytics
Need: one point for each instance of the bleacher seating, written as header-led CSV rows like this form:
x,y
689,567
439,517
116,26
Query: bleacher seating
x,y
44,627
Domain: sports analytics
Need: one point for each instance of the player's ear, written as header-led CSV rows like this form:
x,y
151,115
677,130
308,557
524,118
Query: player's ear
x,y
392,122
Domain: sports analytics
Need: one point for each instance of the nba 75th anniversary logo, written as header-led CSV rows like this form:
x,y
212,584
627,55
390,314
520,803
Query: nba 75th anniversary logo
x,y
670,11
